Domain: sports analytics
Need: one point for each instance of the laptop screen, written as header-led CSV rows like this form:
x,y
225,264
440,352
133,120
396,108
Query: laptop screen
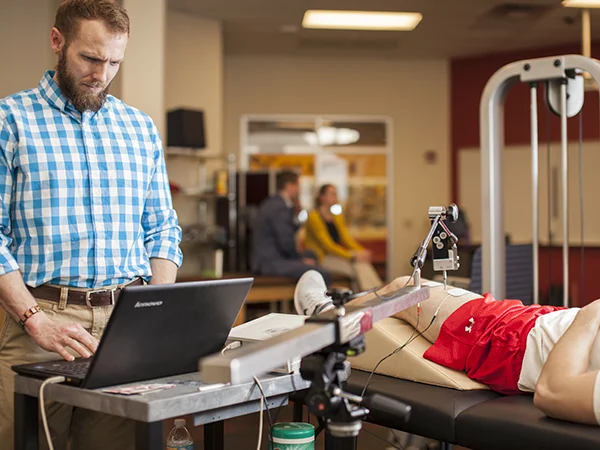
x,y
163,330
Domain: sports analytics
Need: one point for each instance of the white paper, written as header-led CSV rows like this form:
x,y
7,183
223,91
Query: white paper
x,y
139,389
266,327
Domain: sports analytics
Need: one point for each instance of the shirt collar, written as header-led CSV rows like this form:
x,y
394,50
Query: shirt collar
x,y
51,92
55,97
288,201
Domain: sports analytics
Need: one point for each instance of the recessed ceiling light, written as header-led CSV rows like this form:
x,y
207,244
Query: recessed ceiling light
x,y
581,3
361,20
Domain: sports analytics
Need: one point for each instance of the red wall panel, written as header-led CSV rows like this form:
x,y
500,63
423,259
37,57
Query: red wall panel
x,y
468,79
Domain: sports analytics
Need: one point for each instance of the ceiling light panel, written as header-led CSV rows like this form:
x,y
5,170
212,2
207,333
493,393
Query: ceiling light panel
x,y
581,3
361,20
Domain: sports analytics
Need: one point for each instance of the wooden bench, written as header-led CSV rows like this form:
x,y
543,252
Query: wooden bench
x,y
267,289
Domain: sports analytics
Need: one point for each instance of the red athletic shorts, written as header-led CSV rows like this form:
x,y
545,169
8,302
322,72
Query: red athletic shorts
x,y
486,339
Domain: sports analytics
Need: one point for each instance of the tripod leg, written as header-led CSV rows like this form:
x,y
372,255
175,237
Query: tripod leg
x,y
335,443
298,411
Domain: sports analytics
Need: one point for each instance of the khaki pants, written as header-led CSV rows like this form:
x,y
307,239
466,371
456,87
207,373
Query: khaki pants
x,y
70,427
363,275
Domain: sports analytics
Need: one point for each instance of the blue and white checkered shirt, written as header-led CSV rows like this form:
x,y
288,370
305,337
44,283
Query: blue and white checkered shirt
x,y
85,197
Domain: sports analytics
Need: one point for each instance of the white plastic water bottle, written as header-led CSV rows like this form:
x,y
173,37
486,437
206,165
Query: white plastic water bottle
x,y
179,438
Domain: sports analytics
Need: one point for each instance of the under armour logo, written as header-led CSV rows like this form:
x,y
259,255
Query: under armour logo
x,y
470,327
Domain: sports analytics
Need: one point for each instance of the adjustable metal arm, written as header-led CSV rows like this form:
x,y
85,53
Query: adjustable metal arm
x,y
445,254
418,259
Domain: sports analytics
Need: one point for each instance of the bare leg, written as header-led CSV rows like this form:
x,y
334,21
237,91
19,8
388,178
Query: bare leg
x,y
440,301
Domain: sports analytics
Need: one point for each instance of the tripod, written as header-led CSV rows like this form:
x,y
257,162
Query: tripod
x,y
341,411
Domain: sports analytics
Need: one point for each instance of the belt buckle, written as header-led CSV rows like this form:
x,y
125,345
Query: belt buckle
x,y
99,291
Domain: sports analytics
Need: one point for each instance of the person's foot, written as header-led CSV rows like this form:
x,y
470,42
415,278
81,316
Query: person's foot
x,y
309,296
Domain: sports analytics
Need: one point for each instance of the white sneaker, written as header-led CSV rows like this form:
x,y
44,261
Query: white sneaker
x,y
309,296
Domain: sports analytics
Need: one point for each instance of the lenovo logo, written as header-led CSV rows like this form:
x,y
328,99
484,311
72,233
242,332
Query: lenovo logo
x,y
147,304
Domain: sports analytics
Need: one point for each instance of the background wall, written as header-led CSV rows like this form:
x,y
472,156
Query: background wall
x,y
414,93
468,79
25,34
143,70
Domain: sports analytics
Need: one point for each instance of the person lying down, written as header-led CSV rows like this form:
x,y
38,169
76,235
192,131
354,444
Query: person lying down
x,y
550,351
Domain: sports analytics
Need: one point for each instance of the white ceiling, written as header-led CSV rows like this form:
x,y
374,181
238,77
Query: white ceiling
x,y
450,28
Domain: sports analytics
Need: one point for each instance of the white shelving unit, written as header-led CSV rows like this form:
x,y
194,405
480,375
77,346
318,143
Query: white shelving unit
x,y
196,174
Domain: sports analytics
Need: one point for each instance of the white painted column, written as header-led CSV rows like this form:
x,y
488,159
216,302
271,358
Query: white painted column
x,y
194,80
25,35
142,75
194,71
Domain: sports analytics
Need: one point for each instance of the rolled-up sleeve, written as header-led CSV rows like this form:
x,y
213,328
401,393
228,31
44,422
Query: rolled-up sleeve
x,y
159,221
8,262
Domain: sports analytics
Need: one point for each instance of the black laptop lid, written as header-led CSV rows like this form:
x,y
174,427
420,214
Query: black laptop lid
x,y
163,330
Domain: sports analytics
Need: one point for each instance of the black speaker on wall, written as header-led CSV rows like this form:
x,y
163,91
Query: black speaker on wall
x,y
185,128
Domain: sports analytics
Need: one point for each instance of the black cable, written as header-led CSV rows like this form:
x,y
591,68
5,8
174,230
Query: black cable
x,y
393,294
321,426
411,338
285,398
398,446
581,270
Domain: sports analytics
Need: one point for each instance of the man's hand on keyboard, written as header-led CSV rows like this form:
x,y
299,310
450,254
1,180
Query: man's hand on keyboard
x,y
56,337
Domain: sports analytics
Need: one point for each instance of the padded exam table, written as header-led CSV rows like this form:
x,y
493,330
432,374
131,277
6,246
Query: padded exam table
x,y
449,407
477,419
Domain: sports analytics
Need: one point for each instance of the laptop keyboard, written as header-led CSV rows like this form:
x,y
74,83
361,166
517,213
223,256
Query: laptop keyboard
x,y
77,367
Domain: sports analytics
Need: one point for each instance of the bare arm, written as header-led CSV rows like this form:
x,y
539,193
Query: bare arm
x,y
15,299
164,271
51,336
565,389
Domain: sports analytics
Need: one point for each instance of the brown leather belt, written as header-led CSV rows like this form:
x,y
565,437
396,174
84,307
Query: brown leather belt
x,y
91,297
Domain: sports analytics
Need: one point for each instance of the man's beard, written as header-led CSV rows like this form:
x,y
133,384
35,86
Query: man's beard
x,y
82,101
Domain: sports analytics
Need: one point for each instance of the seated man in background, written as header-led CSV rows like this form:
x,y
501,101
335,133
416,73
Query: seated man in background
x,y
513,348
328,237
274,249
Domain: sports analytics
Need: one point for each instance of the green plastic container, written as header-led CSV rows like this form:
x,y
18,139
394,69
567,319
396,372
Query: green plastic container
x,y
293,436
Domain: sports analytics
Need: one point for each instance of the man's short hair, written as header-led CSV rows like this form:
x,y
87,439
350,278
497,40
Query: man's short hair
x,y
71,12
286,177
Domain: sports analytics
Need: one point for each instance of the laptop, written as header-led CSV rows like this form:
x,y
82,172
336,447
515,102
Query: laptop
x,y
155,331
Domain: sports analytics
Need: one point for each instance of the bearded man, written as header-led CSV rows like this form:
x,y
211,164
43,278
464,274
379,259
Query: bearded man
x,y
85,210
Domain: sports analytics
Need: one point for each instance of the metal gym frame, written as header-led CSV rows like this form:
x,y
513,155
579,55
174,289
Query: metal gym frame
x,y
558,69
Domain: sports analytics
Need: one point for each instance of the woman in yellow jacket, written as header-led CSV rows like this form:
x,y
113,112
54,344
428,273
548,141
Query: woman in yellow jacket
x,y
328,237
